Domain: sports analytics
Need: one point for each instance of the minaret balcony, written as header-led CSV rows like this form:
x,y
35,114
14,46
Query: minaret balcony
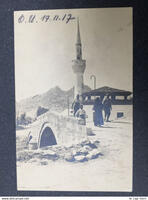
x,y
79,66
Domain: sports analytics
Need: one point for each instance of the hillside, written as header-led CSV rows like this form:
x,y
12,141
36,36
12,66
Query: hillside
x,y
54,99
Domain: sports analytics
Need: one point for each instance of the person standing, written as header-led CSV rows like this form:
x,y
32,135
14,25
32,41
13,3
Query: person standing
x,y
107,108
81,115
97,115
76,105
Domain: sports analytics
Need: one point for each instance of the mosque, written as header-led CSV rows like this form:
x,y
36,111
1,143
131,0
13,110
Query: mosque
x,y
79,65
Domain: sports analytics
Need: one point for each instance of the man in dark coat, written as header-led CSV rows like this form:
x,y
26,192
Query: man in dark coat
x,y
97,115
107,108
76,105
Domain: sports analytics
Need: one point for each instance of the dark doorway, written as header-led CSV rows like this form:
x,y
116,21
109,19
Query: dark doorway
x,y
47,138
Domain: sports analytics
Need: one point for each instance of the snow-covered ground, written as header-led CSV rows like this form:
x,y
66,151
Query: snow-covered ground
x,y
110,172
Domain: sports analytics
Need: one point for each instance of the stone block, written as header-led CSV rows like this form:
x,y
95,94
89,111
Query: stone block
x,y
93,154
32,146
50,152
69,158
80,158
83,151
87,148
74,152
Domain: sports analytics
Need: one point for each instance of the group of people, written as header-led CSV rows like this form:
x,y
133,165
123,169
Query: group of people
x,y
98,107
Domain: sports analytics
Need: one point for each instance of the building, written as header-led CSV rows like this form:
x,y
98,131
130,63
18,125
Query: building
x,y
118,97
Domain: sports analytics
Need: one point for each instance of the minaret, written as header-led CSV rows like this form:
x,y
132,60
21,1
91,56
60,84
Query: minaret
x,y
78,66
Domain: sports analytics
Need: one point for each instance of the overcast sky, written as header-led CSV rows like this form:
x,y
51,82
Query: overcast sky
x,y
44,51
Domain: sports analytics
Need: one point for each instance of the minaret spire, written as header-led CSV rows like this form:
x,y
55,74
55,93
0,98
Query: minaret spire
x,y
78,43
78,32
78,66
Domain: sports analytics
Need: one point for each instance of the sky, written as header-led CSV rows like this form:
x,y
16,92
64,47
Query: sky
x,y
44,50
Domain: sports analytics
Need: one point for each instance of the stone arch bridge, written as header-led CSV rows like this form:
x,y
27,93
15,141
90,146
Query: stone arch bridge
x,y
53,128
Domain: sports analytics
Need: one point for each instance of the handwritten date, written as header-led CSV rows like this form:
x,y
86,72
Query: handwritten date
x,y
45,18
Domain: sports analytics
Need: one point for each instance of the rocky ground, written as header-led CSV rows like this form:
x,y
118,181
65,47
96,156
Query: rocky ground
x,y
85,151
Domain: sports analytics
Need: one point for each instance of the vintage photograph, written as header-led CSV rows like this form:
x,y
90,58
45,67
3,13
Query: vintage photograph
x,y
74,95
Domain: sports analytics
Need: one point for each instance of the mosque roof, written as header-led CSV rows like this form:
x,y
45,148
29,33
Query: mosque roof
x,y
107,91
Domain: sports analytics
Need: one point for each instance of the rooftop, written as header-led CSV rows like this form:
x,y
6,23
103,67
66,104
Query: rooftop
x,y
107,91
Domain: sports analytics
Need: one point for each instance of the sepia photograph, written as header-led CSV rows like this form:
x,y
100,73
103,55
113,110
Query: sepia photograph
x,y
74,99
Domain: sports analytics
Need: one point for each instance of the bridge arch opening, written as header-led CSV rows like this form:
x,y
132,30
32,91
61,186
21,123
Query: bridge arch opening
x,y
47,138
